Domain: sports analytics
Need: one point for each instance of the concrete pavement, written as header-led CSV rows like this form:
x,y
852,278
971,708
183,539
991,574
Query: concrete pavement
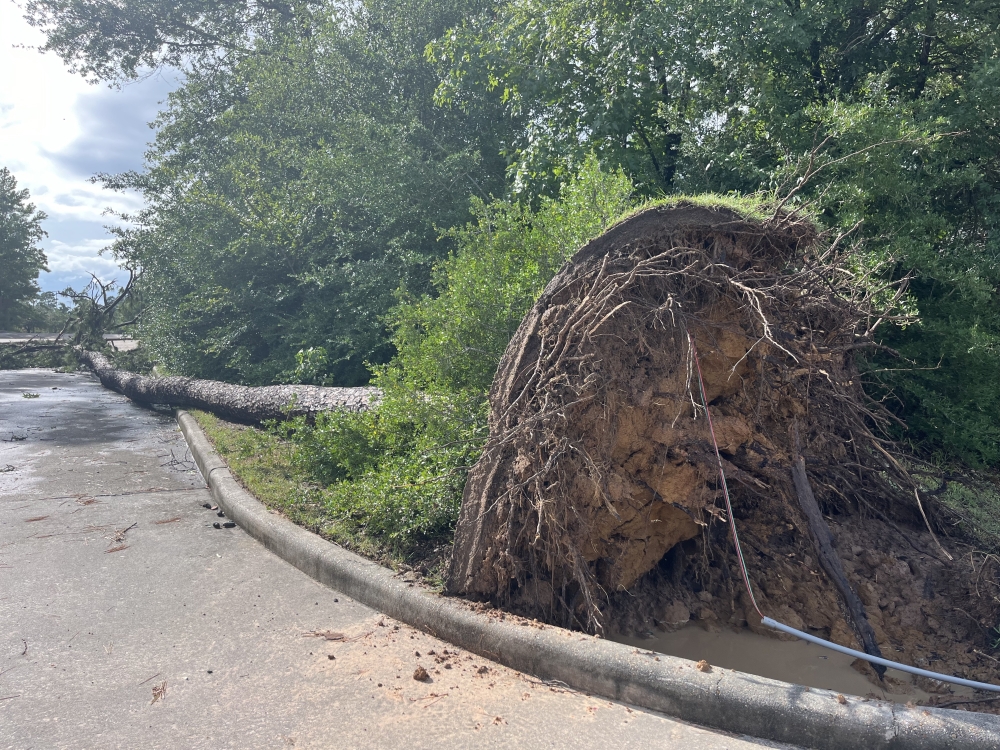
x,y
128,621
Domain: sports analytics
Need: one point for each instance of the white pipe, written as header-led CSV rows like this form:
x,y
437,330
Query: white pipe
x,y
878,659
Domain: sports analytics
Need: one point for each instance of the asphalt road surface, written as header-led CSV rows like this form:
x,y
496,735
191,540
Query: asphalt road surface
x,y
128,621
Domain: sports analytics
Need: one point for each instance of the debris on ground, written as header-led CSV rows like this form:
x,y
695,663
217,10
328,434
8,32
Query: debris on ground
x,y
159,692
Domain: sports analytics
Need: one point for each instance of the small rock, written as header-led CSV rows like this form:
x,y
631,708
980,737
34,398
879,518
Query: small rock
x,y
216,525
676,615
708,620
704,666
841,699
705,596
331,657
228,525
420,675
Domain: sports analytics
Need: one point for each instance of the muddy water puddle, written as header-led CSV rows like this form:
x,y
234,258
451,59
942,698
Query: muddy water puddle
x,y
797,662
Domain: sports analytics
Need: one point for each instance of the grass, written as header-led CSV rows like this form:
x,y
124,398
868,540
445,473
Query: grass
x,y
758,207
978,505
265,465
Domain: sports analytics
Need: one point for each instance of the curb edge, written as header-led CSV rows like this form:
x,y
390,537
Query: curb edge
x,y
723,699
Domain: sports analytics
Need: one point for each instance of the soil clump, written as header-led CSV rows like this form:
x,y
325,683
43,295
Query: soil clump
x,y
597,502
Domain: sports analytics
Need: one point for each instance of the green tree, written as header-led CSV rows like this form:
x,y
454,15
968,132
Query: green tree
x,y
291,193
47,313
118,41
453,340
20,256
649,84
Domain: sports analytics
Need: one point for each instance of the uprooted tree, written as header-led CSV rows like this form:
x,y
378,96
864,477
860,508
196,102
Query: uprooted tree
x,y
599,459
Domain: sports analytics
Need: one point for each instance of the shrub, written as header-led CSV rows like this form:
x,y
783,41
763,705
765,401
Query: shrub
x,y
396,473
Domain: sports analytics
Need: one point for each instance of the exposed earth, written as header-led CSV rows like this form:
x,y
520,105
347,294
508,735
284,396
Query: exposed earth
x,y
597,503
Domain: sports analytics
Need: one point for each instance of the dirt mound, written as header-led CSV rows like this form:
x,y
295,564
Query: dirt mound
x,y
598,492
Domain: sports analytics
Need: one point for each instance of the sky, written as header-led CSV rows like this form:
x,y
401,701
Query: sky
x,y
56,131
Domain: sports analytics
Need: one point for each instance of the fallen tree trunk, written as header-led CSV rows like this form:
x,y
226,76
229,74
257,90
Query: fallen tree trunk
x,y
239,403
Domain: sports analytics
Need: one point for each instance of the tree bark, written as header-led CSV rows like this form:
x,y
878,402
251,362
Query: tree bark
x,y
239,403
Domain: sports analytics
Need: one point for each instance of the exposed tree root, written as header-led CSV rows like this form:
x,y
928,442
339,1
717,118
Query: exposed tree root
x,y
831,564
599,460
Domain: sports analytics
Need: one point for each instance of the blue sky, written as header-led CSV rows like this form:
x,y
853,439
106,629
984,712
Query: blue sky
x,y
56,131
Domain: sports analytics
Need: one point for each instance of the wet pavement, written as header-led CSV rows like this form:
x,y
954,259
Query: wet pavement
x,y
128,621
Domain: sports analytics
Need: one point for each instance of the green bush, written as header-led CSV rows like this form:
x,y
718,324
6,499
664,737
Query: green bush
x,y
504,260
396,472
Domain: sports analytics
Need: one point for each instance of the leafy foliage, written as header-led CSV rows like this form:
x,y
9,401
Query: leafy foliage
x,y
118,40
20,256
397,472
290,194
504,259
19,357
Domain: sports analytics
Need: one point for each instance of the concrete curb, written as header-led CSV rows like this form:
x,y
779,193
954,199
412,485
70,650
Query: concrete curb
x,y
722,699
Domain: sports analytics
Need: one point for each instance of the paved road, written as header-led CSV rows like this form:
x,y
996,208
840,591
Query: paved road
x,y
114,586
117,341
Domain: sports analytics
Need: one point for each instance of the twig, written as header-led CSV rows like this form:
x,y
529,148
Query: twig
x,y
120,533
970,701
977,651
920,505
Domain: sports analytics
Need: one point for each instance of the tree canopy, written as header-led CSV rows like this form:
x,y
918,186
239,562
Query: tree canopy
x,y
20,256
290,194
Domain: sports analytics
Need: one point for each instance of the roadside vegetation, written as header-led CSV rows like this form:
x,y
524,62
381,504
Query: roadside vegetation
x,y
390,479
378,191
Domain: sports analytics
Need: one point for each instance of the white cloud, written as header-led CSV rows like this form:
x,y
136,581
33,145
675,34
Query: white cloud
x,y
56,131
37,114
81,259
